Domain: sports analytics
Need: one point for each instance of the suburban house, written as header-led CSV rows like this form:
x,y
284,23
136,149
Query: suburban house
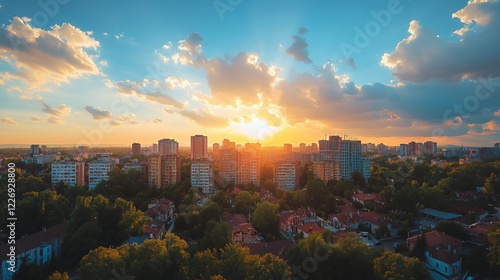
x,y
38,248
267,195
307,228
374,198
161,209
443,253
155,229
242,231
291,220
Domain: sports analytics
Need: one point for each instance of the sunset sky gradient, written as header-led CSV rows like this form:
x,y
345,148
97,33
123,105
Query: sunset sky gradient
x,y
116,72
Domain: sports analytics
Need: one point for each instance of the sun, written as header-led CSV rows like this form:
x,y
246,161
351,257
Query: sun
x,y
256,129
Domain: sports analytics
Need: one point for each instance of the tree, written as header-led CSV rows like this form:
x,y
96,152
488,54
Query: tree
x,y
452,229
395,266
211,211
244,203
316,192
149,260
265,218
420,248
205,264
234,259
58,276
492,184
494,241
268,267
216,235
99,263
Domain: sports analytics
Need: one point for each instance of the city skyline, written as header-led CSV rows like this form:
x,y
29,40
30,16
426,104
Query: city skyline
x,y
387,72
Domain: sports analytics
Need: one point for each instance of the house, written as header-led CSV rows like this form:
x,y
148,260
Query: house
x,y
39,248
161,209
349,220
290,220
279,248
478,232
308,228
471,212
376,220
373,198
155,229
267,195
443,253
241,230
438,215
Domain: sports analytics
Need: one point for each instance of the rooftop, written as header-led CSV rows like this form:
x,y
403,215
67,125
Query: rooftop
x,y
35,240
439,214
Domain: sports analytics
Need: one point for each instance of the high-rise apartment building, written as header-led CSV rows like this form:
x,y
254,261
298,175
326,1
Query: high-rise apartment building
x,y
326,170
164,170
323,145
334,143
98,171
228,165
350,158
202,175
404,150
168,147
430,148
287,148
248,168
286,175
199,147
136,149
71,173
34,150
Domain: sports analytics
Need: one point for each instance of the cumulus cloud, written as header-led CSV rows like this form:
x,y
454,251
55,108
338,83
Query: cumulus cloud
x,y
424,56
54,120
205,118
298,49
42,57
148,90
98,114
192,44
62,110
8,120
36,119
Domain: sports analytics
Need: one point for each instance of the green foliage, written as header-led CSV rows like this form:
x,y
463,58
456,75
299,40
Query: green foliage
x,y
494,242
453,229
59,276
216,235
398,267
420,248
95,222
265,218
244,203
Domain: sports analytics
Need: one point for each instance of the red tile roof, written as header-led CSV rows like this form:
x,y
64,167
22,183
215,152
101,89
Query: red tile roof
x,y
236,219
446,257
367,196
35,240
278,248
436,238
310,227
246,227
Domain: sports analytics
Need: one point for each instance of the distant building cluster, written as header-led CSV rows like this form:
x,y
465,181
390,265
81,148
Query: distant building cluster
x,y
228,163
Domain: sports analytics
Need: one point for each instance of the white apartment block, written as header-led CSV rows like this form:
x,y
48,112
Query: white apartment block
x,y
98,171
71,173
202,175
285,175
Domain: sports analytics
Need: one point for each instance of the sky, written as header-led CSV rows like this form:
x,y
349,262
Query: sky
x,y
285,71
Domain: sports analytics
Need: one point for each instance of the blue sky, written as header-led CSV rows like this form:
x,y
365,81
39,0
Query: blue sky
x,y
117,72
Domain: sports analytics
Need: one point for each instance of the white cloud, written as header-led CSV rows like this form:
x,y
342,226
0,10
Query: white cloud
x,y
8,120
98,114
43,57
